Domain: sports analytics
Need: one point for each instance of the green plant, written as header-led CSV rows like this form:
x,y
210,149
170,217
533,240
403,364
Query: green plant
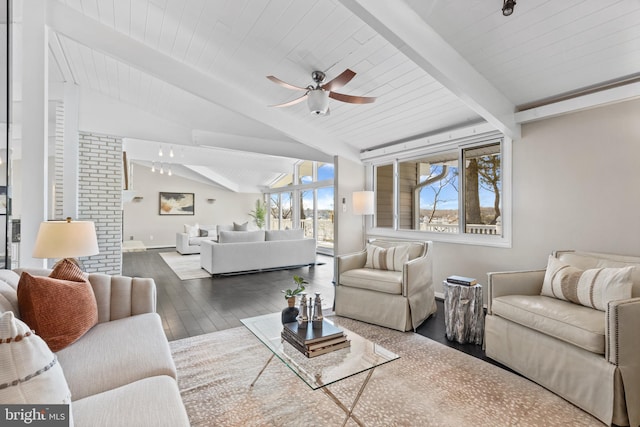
x,y
259,214
300,282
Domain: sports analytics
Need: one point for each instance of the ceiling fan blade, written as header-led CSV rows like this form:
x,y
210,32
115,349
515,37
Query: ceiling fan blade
x,y
352,99
293,102
285,84
339,81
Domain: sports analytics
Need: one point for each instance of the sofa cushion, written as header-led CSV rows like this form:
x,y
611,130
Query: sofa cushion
x,y
223,227
8,291
376,280
241,227
592,288
241,236
392,258
294,234
150,402
115,353
572,323
197,241
29,371
58,310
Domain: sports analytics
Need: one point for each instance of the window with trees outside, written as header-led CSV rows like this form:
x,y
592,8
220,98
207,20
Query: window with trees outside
x,y
453,192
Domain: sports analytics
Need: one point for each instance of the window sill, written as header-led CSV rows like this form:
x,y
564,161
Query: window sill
x,y
463,239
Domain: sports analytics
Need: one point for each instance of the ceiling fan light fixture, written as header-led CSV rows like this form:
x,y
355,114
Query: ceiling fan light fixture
x,y
508,6
318,101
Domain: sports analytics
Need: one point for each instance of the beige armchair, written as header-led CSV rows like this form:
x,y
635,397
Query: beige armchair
x,y
399,298
587,356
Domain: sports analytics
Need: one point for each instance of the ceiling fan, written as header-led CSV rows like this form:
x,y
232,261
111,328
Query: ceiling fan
x,y
318,96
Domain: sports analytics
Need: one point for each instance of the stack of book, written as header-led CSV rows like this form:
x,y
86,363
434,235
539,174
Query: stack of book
x,y
459,280
315,341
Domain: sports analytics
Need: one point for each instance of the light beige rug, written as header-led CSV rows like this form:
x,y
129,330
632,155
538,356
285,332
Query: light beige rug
x,y
431,385
185,266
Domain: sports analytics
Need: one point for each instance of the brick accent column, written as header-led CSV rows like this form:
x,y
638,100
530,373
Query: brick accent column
x,y
100,188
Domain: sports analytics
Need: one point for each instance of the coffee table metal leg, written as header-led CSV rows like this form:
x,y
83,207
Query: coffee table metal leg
x,y
342,406
262,370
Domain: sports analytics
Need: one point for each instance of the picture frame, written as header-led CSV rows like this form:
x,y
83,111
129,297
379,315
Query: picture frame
x,y
176,204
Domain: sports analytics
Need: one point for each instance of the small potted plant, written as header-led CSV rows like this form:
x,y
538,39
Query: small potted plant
x,y
290,313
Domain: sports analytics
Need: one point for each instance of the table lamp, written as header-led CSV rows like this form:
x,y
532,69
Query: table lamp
x,y
66,239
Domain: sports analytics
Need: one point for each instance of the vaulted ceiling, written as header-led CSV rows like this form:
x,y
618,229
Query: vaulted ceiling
x,y
191,74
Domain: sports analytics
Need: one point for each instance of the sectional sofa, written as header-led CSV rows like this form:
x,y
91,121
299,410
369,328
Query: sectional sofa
x,y
243,251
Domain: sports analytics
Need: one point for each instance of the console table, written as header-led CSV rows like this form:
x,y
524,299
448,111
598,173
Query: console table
x,y
463,313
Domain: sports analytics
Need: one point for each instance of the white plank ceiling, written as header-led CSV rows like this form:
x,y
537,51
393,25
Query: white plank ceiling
x,y
545,50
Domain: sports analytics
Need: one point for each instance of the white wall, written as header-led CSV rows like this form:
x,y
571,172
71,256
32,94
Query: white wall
x,y
349,236
142,221
575,186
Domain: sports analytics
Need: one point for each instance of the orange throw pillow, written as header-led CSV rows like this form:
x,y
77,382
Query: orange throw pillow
x,y
59,310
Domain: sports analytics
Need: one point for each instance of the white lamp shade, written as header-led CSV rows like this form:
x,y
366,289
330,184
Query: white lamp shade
x,y
363,203
66,239
318,101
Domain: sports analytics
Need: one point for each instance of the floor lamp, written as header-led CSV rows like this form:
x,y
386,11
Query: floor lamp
x,y
363,204
66,239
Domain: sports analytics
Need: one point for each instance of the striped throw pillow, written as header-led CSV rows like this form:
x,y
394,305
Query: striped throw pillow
x,y
387,258
592,288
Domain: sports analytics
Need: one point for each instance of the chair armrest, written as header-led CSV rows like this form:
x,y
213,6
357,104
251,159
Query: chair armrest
x,y
622,348
182,242
417,274
513,283
120,296
349,262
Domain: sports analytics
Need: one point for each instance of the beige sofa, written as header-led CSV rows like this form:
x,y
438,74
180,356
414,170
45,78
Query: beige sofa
x,y
121,371
243,251
589,357
399,300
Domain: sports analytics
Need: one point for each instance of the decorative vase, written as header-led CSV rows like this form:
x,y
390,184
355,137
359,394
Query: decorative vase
x,y
290,313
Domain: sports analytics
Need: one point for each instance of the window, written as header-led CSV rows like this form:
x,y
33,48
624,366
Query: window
x,y
452,192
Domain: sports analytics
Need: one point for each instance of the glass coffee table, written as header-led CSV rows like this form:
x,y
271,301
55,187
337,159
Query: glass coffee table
x,y
321,371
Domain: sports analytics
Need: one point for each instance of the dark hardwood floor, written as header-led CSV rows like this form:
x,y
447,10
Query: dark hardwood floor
x,y
198,306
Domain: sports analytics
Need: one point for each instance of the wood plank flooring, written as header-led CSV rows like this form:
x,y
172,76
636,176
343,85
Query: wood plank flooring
x,y
199,306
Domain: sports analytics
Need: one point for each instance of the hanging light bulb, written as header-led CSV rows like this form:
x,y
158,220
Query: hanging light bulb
x,y
170,151
160,151
153,166
161,169
169,173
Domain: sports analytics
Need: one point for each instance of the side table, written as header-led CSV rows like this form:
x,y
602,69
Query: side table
x,y
463,313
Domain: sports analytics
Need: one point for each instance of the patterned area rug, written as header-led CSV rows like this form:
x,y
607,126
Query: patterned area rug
x,y
430,385
185,266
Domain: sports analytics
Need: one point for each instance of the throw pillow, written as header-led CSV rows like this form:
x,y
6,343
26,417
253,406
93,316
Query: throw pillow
x,y
241,227
592,288
191,230
203,233
30,372
67,270
387,258
58,310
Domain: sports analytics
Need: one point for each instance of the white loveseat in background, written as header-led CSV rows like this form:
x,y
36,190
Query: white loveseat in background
x,y
588,356
188,242
243,251
120,372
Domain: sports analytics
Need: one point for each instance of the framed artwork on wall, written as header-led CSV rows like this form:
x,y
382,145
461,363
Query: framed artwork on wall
x,y
177,204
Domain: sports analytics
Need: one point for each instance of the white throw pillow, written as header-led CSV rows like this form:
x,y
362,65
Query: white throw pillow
x,y
392,258
192,230
592,288
29,371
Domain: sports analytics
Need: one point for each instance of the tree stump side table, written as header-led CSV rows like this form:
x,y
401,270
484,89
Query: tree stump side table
x,y
463,313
